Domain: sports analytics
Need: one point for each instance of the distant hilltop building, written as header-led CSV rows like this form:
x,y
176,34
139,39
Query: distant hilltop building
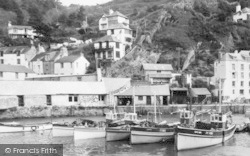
x,y
241,14
118,39
15,31
234,71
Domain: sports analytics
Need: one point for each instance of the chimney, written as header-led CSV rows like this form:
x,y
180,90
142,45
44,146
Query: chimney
x,y
99,74
238,7
40,49
111,11
9,24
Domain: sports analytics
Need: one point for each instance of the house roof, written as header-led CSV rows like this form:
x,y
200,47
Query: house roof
x,y
179,89
146,90
51,88
148,66
14,69
41,56
116,13
199,91
15,49
112,84
117,26
109,38
20,27
160,75
69,59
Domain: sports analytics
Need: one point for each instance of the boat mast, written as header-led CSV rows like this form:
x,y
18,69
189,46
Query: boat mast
x,y
219,95
134,97
155,108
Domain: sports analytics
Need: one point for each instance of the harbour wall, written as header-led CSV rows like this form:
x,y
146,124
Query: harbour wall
x,y
64,111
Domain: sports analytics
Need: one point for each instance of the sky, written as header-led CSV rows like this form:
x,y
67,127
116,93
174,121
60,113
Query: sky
x,y
83,2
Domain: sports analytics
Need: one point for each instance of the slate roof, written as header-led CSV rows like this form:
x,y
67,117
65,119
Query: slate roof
x,y
20,27
69,59
116,13
150,90
179,89
15,49
199,91
148,66
41,56
14,69
109,38
160,75
51,88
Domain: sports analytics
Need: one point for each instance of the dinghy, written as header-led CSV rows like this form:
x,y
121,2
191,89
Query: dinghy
x,y
17,127
201,134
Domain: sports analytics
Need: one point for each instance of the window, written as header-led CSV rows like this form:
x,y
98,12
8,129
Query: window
x,y
61,65
1,53
79,78
98,55
73,98
233,83
140,98
112,31
158,71
109,54
117,44
242,75
1,74
117,54
233,66
18,52
233,75
241,83
128,39
241,91
20,101
1,61
101,97
18,61
242,66
26,74
48,100
16,75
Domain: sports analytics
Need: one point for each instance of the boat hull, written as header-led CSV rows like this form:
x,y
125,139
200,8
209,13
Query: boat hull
x,y
81,133
117,134
187,138
24,128
63,131
150,135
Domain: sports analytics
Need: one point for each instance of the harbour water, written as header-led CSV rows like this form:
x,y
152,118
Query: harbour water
x,y
239,145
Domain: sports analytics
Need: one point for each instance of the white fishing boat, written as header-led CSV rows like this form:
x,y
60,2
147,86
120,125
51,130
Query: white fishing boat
x,y
202,134
117,133
62,130
142,135
17,127
81,133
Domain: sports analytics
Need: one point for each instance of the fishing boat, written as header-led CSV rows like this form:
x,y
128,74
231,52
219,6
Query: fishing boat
x,y
202,134
62,130
90,131
17,127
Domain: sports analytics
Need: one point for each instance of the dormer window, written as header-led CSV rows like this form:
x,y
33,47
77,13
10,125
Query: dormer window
x,y
1,53
18,52
112,31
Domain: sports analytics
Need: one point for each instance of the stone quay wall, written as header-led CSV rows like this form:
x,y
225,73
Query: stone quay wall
x,y
64,111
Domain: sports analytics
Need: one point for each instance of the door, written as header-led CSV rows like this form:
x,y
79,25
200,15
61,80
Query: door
x,y
148,100
165,100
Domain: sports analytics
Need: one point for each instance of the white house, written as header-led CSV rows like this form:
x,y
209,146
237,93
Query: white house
x,y
241,14
113,18
109,47
11,72
71,65
157,73
234,71
17,55
15,31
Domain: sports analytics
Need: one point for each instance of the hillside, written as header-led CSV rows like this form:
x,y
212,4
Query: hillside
x,y
166,29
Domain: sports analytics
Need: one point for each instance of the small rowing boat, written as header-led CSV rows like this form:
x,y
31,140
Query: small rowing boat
x,y
17,127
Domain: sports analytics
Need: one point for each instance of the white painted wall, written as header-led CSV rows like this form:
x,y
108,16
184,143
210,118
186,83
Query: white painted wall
x,y
37,67
12,76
